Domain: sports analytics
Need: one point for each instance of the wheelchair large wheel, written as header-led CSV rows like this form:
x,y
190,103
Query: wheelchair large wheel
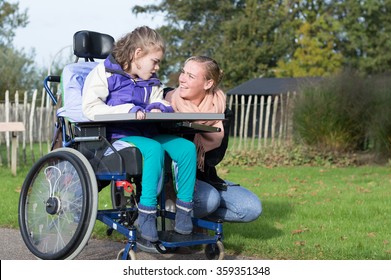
x,y
58,205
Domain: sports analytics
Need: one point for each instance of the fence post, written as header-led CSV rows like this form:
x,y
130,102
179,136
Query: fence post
x,y
289,122
32,112
246,121
274,117
266,132
7,119
236,120
261,105
24,119
254,120
282,113
241,129
12,127
40,128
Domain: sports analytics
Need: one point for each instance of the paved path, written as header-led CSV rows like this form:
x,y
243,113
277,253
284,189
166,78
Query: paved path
x,y
12,247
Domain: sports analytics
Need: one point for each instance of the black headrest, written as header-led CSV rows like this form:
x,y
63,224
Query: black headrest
x,y
90,44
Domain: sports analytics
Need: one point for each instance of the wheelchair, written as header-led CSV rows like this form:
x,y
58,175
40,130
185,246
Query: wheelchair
x,y
58,204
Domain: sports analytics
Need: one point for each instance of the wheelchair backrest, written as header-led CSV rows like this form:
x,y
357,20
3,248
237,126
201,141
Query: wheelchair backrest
x,y
72,81
90,46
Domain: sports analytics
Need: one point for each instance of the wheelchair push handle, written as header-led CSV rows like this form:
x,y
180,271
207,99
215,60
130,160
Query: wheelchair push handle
x,y
53,79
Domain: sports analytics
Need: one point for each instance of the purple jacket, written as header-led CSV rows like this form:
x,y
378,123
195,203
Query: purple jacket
x,y
125,89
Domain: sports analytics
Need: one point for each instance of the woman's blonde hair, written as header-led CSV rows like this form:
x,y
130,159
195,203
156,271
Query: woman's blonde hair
x,y
212,69
142,37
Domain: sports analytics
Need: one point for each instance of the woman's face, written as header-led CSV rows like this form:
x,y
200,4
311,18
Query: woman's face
x,y
192,82
145,65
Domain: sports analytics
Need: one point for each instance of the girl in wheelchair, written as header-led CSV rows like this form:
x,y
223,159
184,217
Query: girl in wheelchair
x,y
126,82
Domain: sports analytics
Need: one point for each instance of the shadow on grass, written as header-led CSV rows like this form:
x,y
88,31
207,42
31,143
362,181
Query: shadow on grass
x,y
240,235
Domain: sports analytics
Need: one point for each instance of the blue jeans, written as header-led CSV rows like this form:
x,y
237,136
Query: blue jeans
x,y
236,204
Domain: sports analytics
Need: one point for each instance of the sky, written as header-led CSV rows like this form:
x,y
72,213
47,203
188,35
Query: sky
x,y
52,24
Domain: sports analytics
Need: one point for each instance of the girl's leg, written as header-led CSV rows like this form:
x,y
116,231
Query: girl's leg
x,y
153,161
183,155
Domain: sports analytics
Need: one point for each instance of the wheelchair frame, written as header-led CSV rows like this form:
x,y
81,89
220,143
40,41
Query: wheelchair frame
x,y
58,203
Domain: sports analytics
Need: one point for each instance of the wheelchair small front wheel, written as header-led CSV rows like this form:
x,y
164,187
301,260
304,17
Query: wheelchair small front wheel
x,y
215,251
161,248
58,205
131,255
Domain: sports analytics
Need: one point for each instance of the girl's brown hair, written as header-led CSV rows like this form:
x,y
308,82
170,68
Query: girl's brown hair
x,y
142,37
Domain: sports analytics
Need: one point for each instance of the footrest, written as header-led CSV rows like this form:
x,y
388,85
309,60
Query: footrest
x,y
173,239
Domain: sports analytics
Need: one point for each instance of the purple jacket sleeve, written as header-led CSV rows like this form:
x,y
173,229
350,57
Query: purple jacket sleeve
x,y
135,109
160,106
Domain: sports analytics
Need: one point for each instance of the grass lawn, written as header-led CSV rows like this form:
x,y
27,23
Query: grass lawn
x,y
315,213
308,212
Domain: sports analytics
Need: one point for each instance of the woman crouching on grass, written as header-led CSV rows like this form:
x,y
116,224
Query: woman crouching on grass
x,y
214,198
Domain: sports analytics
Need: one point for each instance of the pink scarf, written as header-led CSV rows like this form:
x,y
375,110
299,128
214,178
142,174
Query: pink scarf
x,y
212,103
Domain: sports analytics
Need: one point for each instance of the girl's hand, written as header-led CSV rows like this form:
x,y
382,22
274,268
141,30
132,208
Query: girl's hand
x,y
140,115
156,111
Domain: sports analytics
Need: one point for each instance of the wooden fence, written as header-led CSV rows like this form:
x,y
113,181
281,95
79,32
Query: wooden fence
x,y
38,120
259,121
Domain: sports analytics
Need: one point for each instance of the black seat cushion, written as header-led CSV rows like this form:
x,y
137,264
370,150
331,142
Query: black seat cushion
x,y
131,157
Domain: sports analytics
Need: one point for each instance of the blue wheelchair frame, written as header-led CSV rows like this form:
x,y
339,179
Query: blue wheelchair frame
x,y
89,138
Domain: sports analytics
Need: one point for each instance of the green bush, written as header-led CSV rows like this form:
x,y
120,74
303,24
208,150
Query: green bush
x,y
380,127
345,113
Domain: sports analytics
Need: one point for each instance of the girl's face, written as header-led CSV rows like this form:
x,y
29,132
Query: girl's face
x,y
192,82
145,65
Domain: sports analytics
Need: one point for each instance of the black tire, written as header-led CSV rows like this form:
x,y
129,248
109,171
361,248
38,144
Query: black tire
x,y
131,255
215,251
161,249
58,205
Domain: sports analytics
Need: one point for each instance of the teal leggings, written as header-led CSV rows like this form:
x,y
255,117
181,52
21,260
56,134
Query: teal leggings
x,y
182,153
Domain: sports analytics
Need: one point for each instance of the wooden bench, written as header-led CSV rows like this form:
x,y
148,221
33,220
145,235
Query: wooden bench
x,y
12,127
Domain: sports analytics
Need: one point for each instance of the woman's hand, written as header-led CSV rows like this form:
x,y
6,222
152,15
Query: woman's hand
x,y
156,111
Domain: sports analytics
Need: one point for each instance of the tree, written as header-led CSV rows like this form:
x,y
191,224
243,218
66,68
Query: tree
x,y
315,54
245,37
253,38
365,39
10,19
353,34
192,27
17,68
